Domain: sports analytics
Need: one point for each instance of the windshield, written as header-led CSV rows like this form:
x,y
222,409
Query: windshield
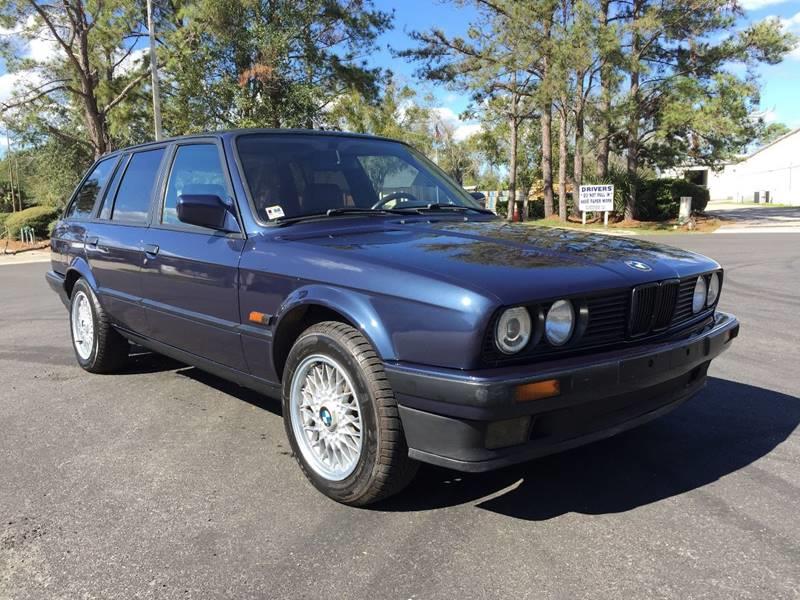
x,y
312,174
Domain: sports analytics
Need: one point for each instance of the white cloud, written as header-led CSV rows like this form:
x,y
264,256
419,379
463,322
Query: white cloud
x,y
34,41
446,114
770,116
11,82
757,4
792,25
42,49
461,129
467,130
133,60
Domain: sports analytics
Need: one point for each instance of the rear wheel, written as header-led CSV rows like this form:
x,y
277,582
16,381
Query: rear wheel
x,y
98,347
341,417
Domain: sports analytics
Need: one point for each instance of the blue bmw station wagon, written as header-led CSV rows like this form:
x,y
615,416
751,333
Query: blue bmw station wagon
x,y
397,320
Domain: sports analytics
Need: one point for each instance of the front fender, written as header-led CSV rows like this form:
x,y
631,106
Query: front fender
x,y
357,307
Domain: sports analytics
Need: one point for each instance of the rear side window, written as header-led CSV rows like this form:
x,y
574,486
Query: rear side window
x,y
83,203
108,200
132,201
196,170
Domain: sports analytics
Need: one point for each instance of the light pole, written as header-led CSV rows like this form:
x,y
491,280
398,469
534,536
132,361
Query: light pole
x,y
154,72
11,171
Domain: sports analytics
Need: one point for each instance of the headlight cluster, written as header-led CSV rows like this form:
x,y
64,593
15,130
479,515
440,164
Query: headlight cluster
x,y
515,328
560,322
705,293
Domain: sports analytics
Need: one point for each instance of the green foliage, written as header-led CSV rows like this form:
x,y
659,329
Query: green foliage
x,y
262,63
37,217
535,209
3,217
659,199
771,132
5,191
89,89
51,226
396,114
283,63
49,171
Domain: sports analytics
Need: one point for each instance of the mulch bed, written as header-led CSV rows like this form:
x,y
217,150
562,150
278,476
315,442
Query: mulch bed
x,y
15,247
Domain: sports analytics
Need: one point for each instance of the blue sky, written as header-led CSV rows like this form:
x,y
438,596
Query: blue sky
x,y
780,84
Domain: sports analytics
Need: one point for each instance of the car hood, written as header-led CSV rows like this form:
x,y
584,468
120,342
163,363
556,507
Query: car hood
x,y
512,262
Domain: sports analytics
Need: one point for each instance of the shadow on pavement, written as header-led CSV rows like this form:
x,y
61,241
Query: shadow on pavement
x,y
143,361
232,389
723,429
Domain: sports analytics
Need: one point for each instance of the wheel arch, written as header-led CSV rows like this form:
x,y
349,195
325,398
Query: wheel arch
x,y
315,304
77,270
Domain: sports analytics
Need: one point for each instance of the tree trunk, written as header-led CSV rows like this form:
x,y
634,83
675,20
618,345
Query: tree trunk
x,y
632,141
562,161
512,199
577,167
95,125
524,193
604,106
547,128
547,158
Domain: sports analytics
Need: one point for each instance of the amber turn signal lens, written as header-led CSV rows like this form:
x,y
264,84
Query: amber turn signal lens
x,y
259,317
536,391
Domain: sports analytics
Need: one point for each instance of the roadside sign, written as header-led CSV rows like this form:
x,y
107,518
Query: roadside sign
x,y
596,198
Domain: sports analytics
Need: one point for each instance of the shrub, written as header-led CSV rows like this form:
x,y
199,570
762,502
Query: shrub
x,y
3,217
51,227
37,217
659,199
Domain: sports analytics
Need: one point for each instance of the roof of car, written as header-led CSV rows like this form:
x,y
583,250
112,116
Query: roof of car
x,y
225,133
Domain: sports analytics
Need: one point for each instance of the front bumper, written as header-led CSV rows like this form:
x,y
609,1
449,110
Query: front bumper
x,y
446,414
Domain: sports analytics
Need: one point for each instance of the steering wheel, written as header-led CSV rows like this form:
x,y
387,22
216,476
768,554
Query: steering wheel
x,y
394,196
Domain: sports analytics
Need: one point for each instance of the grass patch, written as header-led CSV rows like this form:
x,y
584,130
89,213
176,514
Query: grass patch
x,y
698,224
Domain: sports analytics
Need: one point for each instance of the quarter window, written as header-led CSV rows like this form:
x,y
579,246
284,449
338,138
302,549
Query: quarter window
x,y
196,170
83,204
132,201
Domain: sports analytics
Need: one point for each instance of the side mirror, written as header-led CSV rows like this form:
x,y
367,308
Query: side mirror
x,y
204,210
480,197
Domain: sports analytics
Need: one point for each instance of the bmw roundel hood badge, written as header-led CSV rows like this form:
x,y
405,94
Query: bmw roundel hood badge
x,y
638,265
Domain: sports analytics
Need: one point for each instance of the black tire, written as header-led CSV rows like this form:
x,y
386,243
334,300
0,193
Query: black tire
x,y
109,351
383,468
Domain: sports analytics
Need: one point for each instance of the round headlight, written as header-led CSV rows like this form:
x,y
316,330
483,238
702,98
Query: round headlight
x,y
699,296
513,330
713,290
559,323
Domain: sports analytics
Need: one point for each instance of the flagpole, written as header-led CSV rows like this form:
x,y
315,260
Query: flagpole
x,y
10,171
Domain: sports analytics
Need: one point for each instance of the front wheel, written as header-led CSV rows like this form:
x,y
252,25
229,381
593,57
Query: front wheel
x,y
341,417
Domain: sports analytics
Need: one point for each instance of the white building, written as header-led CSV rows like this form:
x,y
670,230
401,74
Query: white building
x,y
771,173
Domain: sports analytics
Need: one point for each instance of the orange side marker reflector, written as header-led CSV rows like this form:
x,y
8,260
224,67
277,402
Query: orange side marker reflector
x,y
259,317
536,391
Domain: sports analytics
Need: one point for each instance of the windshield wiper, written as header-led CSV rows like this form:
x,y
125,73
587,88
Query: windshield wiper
x,y
445,208
337,212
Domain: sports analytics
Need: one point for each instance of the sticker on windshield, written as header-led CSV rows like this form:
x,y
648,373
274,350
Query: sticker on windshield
x,y
274,212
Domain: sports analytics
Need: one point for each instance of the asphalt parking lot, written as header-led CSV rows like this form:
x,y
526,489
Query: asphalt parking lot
x,y
165,482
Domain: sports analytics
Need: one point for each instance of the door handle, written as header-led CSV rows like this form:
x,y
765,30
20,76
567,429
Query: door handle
x,y
92,241
151,250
